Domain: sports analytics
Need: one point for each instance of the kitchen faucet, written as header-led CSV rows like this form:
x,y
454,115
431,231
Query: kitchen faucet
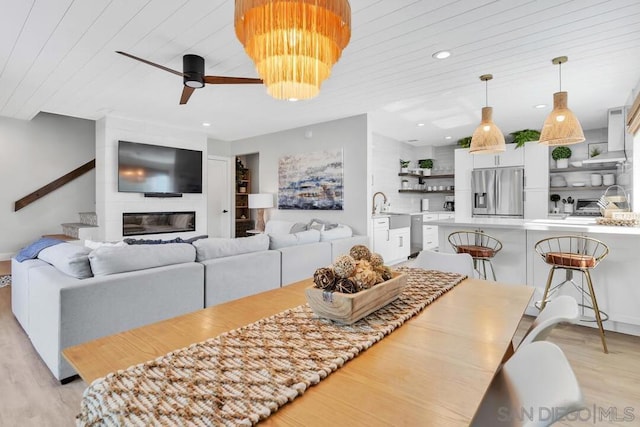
x,y
373,201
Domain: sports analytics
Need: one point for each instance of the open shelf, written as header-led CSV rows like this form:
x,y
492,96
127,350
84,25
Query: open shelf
x,y
413,175
427,192
585,188
584,169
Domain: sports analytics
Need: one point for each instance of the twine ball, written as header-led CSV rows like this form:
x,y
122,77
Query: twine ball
x,y
376,259
324,278
364,275
384,271
346,286
359,252
344,266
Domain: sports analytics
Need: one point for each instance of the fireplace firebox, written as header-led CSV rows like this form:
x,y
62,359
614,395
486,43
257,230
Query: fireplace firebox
x,y
138,223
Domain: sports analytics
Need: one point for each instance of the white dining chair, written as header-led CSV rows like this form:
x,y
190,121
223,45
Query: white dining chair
x,y
453,263
535,388
562,309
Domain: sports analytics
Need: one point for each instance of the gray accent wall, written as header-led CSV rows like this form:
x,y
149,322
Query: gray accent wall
x,y
351,134
34,153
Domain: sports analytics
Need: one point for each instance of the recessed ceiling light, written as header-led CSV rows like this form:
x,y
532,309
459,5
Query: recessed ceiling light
x,y
447,137
441,54
206,125
539,106
420,124
292,99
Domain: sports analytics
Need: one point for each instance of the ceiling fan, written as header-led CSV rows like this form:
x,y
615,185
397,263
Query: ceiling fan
x,y
193,75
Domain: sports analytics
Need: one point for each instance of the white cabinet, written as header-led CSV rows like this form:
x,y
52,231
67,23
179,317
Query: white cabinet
x,y
512,156
536,203
400,239
463,167
430,232
382,238
536,166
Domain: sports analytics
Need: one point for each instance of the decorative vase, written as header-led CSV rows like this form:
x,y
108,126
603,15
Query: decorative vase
x,y
562,163
404,170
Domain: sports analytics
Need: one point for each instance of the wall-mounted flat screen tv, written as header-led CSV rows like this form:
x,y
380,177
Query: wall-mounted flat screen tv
x,y
155,169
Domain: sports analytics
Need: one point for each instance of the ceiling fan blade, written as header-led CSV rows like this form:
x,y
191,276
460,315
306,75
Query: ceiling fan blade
x,y
162,67
186,94
219,80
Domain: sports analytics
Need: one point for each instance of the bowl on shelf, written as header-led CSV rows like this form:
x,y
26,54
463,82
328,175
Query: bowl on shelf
x,y
576,164
578,184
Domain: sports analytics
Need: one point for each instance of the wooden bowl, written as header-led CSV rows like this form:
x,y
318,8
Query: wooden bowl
x,y
349,308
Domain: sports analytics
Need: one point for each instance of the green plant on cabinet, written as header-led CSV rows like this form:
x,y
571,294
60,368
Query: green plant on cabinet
x,y
521,137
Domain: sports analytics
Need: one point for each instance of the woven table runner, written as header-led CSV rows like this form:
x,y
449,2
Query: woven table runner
x,y
242,376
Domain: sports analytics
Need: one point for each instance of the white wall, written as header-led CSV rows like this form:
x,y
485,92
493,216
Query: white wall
x,y
350,134
110,204
34,153
385,166
216,147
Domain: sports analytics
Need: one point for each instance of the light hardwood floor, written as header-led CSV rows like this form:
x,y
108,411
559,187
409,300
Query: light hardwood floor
x,y
30,396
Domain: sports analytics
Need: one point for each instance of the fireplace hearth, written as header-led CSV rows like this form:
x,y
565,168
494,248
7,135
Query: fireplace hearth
x,y
138,223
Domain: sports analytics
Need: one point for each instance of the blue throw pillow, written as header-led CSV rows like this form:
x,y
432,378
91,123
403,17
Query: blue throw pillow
x,y
32,251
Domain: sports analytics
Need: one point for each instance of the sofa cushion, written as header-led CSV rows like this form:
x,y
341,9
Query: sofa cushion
x,y
217,247
277,241
111,260
340,232
33,249
69,258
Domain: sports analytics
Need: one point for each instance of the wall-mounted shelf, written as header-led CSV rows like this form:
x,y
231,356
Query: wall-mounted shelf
x,y
413,175
427,192
572,188
584,169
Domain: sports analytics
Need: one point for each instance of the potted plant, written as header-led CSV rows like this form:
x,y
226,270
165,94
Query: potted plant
x,y
425,166
561,155
404,166
520,137
465,142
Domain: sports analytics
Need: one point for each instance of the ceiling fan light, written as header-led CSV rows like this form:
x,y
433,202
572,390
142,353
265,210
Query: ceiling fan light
x,y
561,126
293,43
487,138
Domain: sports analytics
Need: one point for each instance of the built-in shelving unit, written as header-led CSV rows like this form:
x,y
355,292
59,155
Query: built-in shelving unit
x,y
413,175
427,191
594,168
583,169
243,188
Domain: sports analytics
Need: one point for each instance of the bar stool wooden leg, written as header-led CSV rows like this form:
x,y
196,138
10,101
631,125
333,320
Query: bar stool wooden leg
x,y
546,288
594,301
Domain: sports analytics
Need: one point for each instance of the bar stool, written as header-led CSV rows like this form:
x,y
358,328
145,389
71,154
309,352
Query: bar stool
x,y
480,246
574,253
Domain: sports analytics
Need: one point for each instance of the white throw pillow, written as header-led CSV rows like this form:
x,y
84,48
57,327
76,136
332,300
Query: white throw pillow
x,y
217,247
68,258
95,245
278,226
277,241
339,232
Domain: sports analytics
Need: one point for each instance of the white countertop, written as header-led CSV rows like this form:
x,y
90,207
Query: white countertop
x,y
575,225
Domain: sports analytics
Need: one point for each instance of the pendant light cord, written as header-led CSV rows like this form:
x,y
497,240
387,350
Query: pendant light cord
x,y
486,93
560,75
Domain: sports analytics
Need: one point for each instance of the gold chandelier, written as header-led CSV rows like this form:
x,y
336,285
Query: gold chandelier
x,y
487,138
293,43
561,126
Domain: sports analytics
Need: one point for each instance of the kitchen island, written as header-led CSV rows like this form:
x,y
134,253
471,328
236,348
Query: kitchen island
x,y
615,279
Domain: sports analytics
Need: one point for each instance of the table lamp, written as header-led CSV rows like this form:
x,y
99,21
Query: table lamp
x,y
260,201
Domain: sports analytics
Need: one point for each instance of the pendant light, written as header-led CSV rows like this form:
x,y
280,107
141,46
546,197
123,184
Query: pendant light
x,y
293,43
487,138
561,126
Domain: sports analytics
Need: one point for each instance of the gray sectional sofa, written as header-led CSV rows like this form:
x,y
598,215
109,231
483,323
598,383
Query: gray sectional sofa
x,y
72,294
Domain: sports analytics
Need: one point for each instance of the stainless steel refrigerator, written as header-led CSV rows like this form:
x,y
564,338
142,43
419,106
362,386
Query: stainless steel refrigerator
x,y
497,192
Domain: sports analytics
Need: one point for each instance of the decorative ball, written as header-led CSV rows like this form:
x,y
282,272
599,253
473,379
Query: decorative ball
x,y
376,259
359,252
324,278
385,272
346,286
379,278
344,266
364,275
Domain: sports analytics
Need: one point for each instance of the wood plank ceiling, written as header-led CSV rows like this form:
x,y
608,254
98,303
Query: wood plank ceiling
x,y
58,56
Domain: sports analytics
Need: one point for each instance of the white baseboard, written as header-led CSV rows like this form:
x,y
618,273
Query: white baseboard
x,y
6,256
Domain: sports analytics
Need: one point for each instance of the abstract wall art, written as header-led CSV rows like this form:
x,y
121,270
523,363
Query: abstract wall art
x,y
311,180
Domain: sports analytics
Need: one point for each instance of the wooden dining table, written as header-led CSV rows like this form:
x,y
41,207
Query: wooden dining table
x,y
433,370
